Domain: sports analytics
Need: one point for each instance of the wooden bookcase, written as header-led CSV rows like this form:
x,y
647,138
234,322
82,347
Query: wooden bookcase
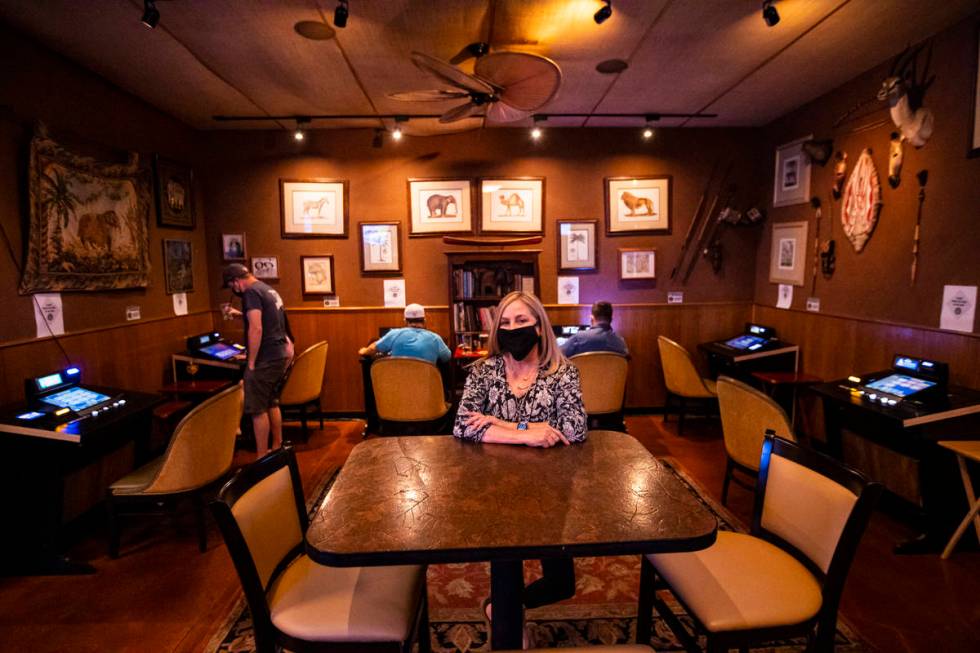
x,y
477,282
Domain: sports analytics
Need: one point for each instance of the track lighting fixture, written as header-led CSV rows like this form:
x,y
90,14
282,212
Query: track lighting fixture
x,y
536,130
151,15
340,14
769,13
397,133
648,131
300,132
604,12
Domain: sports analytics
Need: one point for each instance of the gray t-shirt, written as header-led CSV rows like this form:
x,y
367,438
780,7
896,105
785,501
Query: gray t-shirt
x,y
260,296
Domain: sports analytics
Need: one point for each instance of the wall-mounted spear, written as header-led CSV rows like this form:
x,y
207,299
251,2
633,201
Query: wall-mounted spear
x,y
815,203
922,176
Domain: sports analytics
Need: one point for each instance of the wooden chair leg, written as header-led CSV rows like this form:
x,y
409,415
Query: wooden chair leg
x,y
113,522
201,518
729,465
680,415
319,411
644,607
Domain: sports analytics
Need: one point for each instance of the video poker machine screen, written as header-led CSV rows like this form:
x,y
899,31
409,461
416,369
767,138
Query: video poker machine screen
x,y
746,342
220,350
76,399
900,385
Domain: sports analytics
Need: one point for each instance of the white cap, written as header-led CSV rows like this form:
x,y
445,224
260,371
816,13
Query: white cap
x,y
414,312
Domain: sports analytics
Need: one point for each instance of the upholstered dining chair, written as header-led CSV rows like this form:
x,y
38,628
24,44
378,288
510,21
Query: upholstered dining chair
x,y
296,603
408,390
682,379
199,453
603,379
785,578
746,416
305,384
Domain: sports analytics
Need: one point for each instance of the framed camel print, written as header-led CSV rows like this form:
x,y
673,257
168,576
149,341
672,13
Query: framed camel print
x,y
313,208
638,205
440,206
512,206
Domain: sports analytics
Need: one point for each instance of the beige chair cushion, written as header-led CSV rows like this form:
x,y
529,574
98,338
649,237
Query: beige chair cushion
x,y
681,376
806,509
305,382
407,390
603,379
746,413
136,480
345,604
741,583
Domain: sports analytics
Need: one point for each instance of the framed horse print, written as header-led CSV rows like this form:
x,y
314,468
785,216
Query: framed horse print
x,y
313,208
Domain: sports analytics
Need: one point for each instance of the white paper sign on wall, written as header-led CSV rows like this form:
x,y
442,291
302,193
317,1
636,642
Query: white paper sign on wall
x,y
676,297
49,316
813,304
132,313
959,308
331,302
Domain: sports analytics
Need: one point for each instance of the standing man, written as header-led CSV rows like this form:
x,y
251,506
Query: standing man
x,y
600,337
270,349
411,340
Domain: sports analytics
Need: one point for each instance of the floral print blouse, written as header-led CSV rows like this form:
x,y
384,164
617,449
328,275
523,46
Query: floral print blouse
x,y
556,399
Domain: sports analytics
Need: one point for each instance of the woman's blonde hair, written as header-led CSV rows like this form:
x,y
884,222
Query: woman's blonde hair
x,y
549,355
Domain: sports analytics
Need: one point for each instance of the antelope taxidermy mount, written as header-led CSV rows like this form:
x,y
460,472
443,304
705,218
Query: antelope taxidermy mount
x,y
904,90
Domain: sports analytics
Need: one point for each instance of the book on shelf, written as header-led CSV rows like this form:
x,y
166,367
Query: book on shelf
x,y
487,282
467,317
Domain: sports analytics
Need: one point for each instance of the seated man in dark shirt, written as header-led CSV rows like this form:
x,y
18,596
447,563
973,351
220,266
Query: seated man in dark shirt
x,y
600,337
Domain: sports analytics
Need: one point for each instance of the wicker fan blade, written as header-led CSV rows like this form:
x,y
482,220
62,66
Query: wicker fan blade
x,y
450,74
460,112
503,112
427,96
528,81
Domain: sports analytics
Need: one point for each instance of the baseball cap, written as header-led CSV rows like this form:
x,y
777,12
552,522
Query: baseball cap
x,y
414,312
233,271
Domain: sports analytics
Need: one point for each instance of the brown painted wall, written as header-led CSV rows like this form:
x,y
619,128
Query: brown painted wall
x,y
81,107
243,170
875,283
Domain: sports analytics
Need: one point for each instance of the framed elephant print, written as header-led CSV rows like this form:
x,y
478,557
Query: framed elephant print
x,y
440,206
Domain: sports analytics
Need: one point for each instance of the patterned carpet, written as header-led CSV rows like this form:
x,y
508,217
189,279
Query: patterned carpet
x,y
603,610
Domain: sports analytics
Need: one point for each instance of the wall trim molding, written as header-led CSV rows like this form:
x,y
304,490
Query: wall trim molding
x,y
436,307
109,327
869,320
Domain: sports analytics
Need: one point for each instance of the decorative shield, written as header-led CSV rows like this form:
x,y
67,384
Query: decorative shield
x,y
862,202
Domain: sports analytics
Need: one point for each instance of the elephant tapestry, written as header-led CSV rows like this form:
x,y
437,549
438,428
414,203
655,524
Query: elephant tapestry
x,y
89,222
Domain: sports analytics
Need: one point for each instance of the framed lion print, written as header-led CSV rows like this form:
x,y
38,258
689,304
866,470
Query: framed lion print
x,y
638,205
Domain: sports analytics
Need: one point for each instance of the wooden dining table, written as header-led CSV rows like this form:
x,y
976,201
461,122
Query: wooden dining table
x,y
438,499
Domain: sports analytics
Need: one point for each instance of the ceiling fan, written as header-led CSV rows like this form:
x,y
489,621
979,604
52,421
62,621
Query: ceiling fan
x,y
504,87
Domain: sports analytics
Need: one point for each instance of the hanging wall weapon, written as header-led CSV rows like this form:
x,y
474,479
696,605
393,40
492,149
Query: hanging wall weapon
x,y
694,221
815,203
922,176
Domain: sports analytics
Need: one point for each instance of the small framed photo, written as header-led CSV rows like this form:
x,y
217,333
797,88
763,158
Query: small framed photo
x,y
788,253
233,247
178,266
174,194
380,248
513,206
265,267
577,248
313,208
792,179
440,206
638,205
637,263
317,274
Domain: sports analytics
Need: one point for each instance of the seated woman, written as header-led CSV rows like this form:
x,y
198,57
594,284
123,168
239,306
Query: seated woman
x,y
525,393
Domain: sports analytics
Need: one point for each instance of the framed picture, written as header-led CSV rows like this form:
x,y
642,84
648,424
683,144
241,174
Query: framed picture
x,y
788,253
513,206
792,179
313,208
974,150
440,206
380,248
265,267
178,267
637,263
174,194
317,274
577,250
233,247
637,205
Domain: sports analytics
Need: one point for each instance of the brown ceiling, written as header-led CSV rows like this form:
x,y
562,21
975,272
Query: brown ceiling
x,y
243,57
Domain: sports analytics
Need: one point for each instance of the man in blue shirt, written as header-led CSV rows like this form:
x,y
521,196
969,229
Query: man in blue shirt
x,y
600,337
412,340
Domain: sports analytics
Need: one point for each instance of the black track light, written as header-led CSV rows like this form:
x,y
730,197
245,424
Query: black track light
x,y
604,12
340,14
769,13
151,15
302,124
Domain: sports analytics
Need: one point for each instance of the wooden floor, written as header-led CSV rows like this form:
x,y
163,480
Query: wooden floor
x,y
162,595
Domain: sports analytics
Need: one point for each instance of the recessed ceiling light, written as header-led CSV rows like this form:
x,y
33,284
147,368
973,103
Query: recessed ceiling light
x,y
611,66
314,30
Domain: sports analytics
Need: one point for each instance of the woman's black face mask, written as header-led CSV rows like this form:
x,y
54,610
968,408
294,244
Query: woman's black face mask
x,y
518,342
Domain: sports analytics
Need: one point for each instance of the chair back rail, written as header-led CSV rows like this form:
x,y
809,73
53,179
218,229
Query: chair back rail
x,y
681,375
603,378
746,415
407,389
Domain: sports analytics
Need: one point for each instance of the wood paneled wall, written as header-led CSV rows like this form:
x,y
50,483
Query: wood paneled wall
x,y
133,356
347,329
833,346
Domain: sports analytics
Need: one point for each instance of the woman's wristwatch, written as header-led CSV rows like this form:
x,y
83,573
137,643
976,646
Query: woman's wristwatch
x,y
522,426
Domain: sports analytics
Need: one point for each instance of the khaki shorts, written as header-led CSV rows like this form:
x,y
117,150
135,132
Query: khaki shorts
x,y
263,385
